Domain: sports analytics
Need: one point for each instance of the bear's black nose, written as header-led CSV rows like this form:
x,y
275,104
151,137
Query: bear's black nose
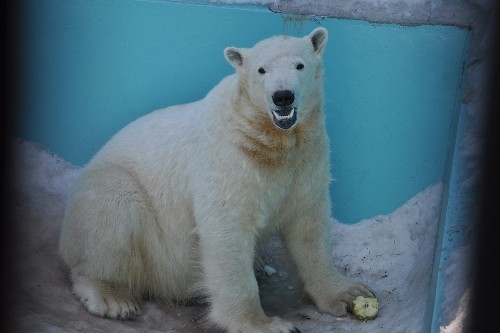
x,y
283,98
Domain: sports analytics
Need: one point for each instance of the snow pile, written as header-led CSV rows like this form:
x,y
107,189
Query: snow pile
x,y
393,254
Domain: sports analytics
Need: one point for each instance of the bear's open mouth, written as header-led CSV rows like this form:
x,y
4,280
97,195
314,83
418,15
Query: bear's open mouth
x,y
284,118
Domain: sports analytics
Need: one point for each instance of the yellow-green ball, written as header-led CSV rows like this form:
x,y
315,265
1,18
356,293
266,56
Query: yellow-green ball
x,y
365,308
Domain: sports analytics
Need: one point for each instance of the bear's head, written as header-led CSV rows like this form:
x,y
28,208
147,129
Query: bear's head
x,y
281,75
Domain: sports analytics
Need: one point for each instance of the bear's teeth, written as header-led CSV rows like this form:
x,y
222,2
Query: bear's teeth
x,y
284,117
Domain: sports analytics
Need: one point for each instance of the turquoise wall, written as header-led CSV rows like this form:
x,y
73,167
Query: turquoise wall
x,y
392,93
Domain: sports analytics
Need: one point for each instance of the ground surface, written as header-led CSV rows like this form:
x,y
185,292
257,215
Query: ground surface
x,y
391,253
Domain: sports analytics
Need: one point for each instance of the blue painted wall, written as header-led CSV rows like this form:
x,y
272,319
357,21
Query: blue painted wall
x,y
392,92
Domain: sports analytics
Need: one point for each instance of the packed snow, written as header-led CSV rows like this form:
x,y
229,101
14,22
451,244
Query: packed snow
x,y
392,253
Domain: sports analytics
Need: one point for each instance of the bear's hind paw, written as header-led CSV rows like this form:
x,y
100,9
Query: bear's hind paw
x,y
105,300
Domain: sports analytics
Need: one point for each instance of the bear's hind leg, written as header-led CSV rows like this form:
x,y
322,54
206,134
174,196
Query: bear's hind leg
x,y
105,299
102,241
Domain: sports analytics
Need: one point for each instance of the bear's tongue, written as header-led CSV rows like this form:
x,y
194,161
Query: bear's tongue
x,y
285,118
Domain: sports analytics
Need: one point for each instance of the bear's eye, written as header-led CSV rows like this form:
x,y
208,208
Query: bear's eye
x,y
300,66
261,70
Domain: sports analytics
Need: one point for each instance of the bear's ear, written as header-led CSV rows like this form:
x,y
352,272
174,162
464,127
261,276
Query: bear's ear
x,y
318,37
234,56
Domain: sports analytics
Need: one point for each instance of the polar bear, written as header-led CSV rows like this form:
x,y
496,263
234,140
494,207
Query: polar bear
x,y
176,203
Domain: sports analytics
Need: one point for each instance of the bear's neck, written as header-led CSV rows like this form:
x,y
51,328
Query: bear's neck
x,y
267,145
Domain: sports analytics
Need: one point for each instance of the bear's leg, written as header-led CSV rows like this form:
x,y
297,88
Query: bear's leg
x,y
307,242
102,241
105,299
227,255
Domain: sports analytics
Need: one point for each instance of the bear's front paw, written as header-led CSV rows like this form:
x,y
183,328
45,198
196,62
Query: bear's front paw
x,y
340,302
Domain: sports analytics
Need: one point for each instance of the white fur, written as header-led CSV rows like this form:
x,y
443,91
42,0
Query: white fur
x,y
174,205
